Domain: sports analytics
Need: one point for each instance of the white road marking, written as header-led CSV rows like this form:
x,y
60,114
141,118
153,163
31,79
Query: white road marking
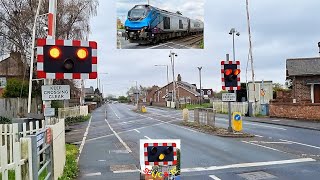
x,y
118,151
100,137
119,138
214,177
102,160
121,132
130,121
245,165
263,146
137,130
84,139
171,124
147,137
126,171
93,174
253,124
258,135
114,111
316,147
270,142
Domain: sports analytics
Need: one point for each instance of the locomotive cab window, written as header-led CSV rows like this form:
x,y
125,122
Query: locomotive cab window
x,y
139,12
180,24
166,22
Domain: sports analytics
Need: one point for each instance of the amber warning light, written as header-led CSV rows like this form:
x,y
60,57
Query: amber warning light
x,y
54,52
82,53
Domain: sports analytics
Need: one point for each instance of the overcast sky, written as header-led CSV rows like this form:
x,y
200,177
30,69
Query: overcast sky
x,y
280,30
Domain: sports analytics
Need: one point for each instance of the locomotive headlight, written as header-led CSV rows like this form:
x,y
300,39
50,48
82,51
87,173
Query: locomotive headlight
x,y
127,28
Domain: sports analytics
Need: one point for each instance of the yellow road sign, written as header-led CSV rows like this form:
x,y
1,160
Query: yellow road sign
x,y
237,121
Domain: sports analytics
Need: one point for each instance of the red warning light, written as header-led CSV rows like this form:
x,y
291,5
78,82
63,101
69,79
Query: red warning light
x,y
228,72
236,72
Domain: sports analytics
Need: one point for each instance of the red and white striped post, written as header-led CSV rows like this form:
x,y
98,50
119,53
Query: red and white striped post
x,y
51,35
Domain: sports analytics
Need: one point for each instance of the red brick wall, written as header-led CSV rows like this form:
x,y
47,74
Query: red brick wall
x,y
295,111
161,104
301,91
184,93
180,93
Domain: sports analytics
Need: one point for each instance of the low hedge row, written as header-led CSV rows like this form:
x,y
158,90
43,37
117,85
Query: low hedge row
x,y
77,119
4,120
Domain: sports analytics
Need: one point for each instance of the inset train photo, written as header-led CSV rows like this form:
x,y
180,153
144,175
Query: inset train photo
x,y
160,24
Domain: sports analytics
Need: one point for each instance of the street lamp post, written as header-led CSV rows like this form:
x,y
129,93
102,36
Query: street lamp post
x,y
172,55
137,94
233,32
200,68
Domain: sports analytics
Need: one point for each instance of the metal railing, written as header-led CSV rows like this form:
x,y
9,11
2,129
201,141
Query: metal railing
x,y
204,116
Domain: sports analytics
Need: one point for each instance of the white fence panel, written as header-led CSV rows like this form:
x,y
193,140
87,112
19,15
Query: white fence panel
x,y
73,112
10,151
84,111
242,107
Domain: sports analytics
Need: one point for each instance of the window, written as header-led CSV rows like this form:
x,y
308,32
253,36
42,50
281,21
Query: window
x,y
180,24
3,82
166,22
209,92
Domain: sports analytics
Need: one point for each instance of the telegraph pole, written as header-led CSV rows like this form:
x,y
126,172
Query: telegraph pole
x,y
137,93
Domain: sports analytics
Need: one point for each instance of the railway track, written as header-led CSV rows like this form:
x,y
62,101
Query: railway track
x,y
189,41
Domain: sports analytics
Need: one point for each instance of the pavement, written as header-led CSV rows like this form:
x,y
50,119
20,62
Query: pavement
x,y
111,148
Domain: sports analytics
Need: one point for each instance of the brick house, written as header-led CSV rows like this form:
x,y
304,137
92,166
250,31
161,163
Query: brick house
x,y
303,101
11,66
185,92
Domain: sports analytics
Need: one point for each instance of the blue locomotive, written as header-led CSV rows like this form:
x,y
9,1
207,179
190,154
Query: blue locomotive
x,y
147,24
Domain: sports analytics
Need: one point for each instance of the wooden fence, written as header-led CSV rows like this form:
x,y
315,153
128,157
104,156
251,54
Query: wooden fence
x,y
16,107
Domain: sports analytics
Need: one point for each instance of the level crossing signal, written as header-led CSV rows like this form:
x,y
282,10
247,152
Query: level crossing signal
x,y
230,75
66,59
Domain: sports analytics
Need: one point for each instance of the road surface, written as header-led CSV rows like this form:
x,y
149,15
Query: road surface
x,y
111,149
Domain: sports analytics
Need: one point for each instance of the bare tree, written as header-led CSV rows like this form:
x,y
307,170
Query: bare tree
x,y
16,20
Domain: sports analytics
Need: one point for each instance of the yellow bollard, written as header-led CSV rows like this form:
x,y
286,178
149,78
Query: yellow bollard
x,y
185,114
143,109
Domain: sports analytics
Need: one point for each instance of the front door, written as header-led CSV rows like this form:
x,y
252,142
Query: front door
x,y
317,93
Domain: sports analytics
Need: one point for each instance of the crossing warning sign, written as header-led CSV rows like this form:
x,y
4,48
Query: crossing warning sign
x,y
55,92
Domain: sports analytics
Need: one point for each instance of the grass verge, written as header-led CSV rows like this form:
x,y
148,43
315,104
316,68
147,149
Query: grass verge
x,y
218,131
193,106
71,169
